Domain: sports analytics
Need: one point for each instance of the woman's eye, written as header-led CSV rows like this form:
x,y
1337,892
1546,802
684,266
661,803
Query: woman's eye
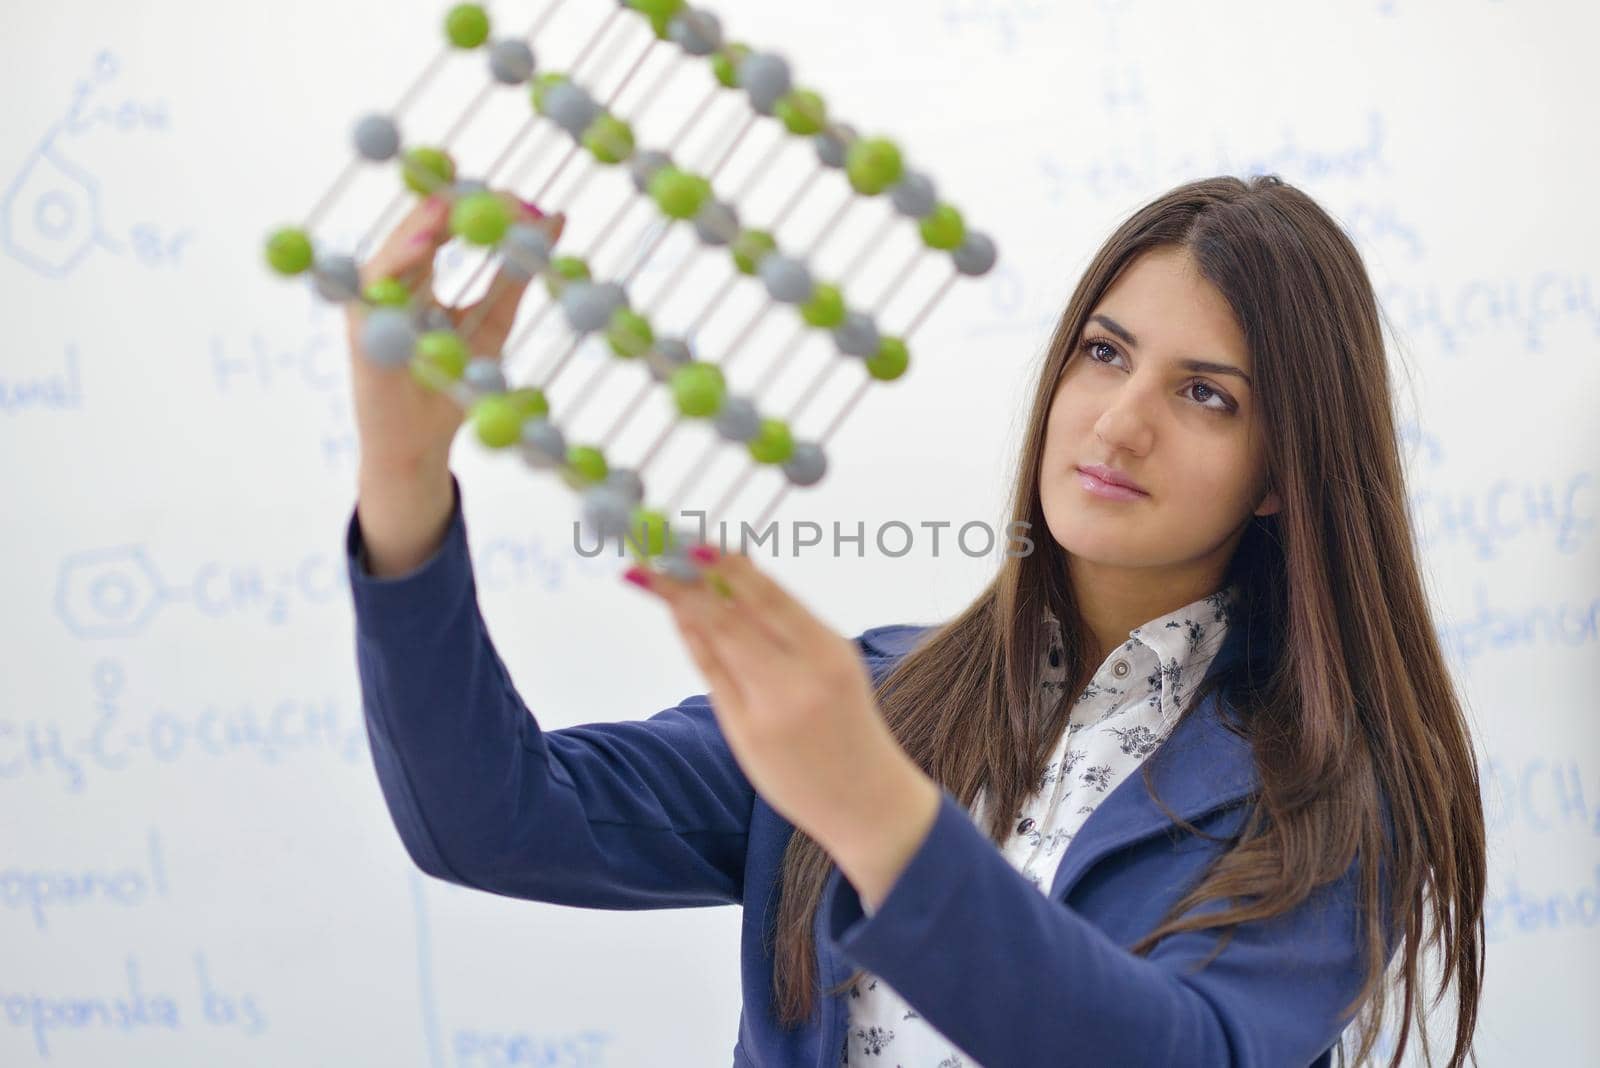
x,y
1093,346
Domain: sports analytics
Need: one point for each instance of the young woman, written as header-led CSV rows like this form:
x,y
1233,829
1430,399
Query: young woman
x,y
1173,789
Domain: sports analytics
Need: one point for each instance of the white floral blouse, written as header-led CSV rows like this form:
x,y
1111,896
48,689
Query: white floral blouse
x,y
1126,710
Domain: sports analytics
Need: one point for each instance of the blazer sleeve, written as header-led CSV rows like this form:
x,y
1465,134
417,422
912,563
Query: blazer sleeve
x,y
1005,972
651,813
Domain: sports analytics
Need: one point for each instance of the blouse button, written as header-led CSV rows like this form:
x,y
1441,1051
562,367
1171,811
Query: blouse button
x,y
1120,669
1025,826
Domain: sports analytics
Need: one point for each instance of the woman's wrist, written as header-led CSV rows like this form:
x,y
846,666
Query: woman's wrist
x,y
404,514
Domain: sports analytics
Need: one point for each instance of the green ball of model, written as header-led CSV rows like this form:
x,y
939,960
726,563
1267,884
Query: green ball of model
x,y
629,334
873,165
802,112
656,9
609,139
943,228
725,64
750,248
890,361
773,444
480,218
426,170
678,194
530,402
496,420
825,308
541,85
647,532
564,269
387,293
587,463
289,251
466,26
441,358
698,389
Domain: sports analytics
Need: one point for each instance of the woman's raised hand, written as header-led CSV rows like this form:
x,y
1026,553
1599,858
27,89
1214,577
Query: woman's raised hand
x,y
402,424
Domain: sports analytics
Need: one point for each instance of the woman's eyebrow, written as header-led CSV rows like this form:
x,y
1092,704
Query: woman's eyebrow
x,y
1204,366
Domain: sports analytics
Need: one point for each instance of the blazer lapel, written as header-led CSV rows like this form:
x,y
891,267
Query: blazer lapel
x,y
1200,766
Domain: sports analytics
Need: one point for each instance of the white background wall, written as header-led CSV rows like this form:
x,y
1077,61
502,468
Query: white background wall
x,y
190,810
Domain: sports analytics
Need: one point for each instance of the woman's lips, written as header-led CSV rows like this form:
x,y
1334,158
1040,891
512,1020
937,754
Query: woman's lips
x,y
1106,490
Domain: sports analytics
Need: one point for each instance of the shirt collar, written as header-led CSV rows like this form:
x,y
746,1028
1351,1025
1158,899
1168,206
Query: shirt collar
x,y
1165,655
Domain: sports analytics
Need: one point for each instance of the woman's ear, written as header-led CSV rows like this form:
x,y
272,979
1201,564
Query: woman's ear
x,y
1269,504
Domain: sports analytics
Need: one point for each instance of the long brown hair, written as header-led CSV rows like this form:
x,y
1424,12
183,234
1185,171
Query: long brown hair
x,y
1347,700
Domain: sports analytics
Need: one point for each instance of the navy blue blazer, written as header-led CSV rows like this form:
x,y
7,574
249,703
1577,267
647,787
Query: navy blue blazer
x,y
656,813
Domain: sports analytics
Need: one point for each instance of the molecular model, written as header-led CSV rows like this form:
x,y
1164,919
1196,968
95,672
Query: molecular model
x,y
400,330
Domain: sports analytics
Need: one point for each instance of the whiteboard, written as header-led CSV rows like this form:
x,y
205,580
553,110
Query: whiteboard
x,y
198,867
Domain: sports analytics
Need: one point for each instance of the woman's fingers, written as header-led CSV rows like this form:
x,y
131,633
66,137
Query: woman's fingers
x,y
490,319
790,624
726,693
410,247
727,616
407,255
555,225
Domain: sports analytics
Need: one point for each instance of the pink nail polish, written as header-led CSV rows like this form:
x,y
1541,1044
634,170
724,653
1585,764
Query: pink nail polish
x,y
531,208
703,553
638,576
